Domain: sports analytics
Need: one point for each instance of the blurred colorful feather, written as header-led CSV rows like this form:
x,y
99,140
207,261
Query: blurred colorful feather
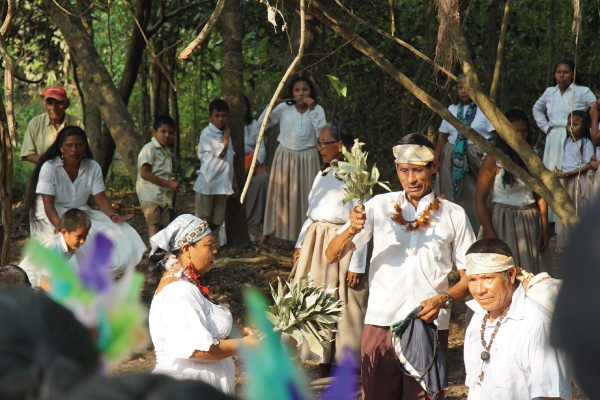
x,y
344,385
94,272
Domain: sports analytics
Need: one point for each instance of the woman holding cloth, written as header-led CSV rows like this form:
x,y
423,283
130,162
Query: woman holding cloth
x,y
296,160
64,178
460,158
326,215
188,328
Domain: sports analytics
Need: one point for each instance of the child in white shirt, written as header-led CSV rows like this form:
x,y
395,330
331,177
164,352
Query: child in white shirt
x,y
216,179
73,230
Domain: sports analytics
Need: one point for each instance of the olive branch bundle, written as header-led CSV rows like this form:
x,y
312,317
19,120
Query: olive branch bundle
x,y
305,312
358,181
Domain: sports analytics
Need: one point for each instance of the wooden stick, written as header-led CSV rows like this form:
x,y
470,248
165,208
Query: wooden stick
x,y
274,99
205,31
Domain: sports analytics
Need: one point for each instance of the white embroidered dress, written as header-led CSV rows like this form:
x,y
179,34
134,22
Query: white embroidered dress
x,y
182,321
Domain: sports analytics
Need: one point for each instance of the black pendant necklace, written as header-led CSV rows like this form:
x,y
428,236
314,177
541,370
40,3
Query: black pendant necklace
x,y
485,354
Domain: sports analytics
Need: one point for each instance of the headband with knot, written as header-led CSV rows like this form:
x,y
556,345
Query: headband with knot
x,y
413,154
485,263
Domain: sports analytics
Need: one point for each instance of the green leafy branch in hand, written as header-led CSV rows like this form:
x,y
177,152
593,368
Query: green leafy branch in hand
x,y
359,182
305,312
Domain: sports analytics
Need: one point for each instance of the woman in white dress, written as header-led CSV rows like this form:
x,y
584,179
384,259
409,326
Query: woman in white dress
x,y
460,158
296,160
189,330
552,109
256,198
326,215
64,178
517,215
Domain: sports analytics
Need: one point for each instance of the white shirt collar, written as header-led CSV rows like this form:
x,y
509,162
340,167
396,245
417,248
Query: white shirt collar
x,y
569,88
423,203
214,129
60,162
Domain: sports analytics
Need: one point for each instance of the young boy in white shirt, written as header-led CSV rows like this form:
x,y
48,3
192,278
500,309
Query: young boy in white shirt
x,y
154,186
73,230
216,179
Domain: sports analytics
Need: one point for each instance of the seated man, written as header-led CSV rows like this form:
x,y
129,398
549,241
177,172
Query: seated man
x,y
507,344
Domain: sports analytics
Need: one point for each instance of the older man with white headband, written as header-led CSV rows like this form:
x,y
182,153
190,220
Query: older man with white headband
x,y
417,238
507,345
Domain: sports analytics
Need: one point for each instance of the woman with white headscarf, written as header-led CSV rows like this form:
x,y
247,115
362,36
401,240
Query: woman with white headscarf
x,y
189,330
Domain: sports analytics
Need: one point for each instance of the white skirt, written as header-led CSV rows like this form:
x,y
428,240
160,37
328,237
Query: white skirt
x,y
128,245
219,374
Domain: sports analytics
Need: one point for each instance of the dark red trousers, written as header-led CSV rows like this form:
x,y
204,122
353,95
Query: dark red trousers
x,y
381,377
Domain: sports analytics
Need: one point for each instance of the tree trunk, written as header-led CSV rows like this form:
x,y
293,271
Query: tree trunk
x,y
160,85
91,114
103,91
492,38
6,185
233,93
543,182
550,45
145,103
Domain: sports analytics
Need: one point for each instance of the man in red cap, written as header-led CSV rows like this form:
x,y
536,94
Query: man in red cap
x,y
43,129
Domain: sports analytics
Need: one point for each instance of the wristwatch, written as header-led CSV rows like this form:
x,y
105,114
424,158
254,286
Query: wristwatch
x,y
449,301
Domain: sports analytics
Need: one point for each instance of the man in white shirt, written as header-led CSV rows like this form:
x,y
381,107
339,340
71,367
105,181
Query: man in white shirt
x,y
507,349
416,241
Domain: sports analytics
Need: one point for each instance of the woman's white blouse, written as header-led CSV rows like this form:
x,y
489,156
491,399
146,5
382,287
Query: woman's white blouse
x,y
553,108
296,131
251,132
325,205
480,123
182,321
518,194
55,181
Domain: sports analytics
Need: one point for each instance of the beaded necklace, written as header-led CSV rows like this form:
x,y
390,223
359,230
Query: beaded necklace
x,y
485,354
195,279
420,222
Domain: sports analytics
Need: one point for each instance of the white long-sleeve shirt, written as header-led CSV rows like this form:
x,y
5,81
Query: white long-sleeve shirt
x,y
215,175
552,108
296,131
571,160
251,132
480,123
325,205
409,267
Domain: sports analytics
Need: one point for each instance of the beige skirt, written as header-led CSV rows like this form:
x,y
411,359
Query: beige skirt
x,y
256,198
292,176
584,196
312,258
443,182
521,229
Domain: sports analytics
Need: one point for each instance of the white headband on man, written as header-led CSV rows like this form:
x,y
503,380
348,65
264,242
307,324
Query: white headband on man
x,y
413,154
485,263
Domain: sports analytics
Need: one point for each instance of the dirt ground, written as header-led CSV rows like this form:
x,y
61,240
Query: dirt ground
x,y
231,278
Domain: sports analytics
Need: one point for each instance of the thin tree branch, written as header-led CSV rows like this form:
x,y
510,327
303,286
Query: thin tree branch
x,y
212,20
182,39
162,68
20,78
10,14
499,52
263,125
395,39
73,15
392,19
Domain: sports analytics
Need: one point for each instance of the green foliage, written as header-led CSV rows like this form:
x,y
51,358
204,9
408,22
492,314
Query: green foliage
x,y
306,312
358,181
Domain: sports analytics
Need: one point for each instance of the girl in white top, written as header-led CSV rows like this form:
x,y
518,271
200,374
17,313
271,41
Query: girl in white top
x,y
296,160
517,215
326,215
553,107
576,165
461,192
189,330
64,178
256,199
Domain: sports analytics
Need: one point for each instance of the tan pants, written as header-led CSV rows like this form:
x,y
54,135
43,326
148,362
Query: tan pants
x,y
157,215
211,207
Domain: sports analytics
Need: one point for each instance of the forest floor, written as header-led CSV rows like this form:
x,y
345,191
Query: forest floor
x,y
234,269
